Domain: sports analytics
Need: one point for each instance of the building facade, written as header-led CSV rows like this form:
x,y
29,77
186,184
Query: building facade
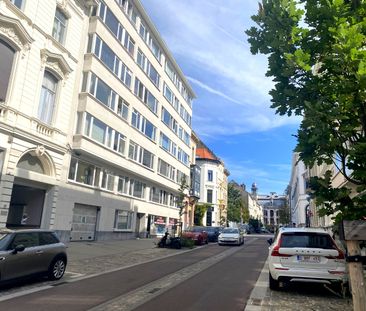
x,y
104,120
271,205
214,183
298,197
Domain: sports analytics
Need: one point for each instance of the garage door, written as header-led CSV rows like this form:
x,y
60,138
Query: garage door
x,y
84,222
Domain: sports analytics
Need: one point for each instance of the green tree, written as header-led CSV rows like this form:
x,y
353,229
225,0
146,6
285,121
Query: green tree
x,y
317,57
234,204
284,214
182,203
199,212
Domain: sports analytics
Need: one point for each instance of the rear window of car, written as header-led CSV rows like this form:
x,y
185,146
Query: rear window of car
x,y
46,238
230,230
306,240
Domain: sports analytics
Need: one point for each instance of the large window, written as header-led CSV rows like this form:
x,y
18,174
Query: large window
x,y
107,96
84,172
107,56
150,41
143,125
167,144
103,134
166,170
116,27
149,69
145,95
59,26
137,189
6,63
48,97
123,220
209,196
107,180
140,155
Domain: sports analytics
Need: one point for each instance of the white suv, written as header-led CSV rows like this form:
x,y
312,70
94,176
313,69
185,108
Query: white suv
x,y
305,255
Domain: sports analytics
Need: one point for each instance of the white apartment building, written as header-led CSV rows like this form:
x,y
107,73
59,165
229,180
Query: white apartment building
x,y
298,198
214,183
127,124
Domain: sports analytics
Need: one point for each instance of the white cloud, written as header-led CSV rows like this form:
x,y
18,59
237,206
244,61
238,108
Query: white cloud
x,y
208,36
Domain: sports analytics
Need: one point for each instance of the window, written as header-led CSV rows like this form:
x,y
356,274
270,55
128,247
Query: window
x,y
46,238
143,125
100,132
149,69
137,189
168,94
144,94
59,26
122,186
48,97
6,64
18,3
141,155
183,157
107,181
122,108
166,169
210,175
84,173
107,56
154,195
209,196
123,220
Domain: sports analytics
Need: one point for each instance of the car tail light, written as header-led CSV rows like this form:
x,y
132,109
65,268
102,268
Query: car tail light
x,y
276,250
340,253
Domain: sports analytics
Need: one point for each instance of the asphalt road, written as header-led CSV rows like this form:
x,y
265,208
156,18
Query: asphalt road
x,y
224,286
209,278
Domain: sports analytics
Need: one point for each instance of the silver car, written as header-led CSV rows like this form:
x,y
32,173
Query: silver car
x,y
31,251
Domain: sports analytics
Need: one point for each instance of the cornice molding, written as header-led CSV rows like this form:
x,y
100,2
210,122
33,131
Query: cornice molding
x,y
13,29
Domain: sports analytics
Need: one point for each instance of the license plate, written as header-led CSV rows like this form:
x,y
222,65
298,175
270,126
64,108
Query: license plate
x,y
315,259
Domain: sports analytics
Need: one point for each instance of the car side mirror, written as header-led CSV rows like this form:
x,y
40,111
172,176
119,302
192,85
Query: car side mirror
x,y
270,241
18,248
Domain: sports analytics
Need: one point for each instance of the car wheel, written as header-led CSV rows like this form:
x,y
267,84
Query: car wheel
x,y
57,268
273,284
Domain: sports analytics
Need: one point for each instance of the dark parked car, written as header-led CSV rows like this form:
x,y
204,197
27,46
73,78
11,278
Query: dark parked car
x,y
31,251
213,233
198,234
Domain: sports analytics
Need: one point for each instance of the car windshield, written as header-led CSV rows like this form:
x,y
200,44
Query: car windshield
x,y
307,240
230,230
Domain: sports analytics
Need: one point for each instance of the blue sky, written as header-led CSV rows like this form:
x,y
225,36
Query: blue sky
x,y
231,113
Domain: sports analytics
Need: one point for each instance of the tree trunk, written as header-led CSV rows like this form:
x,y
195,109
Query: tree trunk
x,y
356,278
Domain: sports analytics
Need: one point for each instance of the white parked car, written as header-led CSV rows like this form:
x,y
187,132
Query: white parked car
x,y
305,255
231,236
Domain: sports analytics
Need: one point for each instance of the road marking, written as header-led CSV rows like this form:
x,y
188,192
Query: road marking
x,y
133,299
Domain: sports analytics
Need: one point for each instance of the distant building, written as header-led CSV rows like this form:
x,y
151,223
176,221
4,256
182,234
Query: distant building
x,y
214,180
299,205
271,204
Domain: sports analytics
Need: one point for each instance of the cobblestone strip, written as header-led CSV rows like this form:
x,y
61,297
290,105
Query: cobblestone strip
x,y
145,293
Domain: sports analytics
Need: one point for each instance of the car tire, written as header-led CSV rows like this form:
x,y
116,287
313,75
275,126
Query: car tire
x,y
273,284
57,268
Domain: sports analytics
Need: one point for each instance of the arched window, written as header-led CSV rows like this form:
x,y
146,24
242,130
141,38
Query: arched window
x,y
6,64
48,97
31,163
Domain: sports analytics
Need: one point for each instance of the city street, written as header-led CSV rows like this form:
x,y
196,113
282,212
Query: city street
x,y
143,277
